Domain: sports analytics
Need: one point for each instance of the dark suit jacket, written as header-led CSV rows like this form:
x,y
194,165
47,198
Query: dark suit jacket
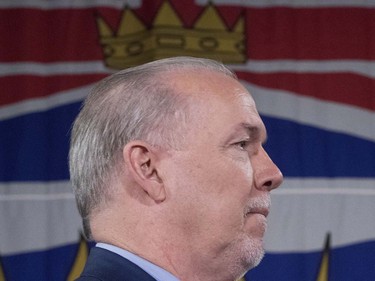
x,y
104,265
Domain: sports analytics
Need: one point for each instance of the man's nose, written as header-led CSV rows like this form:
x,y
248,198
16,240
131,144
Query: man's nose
x,y
267,175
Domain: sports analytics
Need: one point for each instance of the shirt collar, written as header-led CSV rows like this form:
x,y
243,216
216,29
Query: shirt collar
x,y
155,271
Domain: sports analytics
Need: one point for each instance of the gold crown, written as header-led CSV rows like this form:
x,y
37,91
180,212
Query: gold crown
x,y
134,44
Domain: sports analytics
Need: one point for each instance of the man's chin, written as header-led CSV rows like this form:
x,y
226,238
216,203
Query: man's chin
x,y
242,255
250,252
253,252
257,261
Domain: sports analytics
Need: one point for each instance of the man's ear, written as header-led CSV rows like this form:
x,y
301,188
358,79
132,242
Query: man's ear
x,y
141,161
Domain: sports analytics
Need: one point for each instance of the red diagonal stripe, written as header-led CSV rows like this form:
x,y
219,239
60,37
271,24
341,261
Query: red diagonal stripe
x,y
324,33
22,87
49,35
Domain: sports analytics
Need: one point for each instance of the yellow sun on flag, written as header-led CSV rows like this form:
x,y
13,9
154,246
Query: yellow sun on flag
x,y
80,260
324,264
2,276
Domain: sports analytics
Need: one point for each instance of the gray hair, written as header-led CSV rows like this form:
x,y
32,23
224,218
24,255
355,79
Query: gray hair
x,y
134,104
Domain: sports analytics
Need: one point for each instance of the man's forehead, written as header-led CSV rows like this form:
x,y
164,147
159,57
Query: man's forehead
x,y
246,99
211,91
191,80
207,84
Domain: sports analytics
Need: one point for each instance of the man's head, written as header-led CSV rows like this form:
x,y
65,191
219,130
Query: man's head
x,y
178,142
134,104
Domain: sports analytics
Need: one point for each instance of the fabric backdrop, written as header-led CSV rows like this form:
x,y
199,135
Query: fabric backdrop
x,y
310,65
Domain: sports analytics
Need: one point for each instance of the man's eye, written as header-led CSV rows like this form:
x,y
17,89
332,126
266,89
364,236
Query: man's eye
x,y
242,144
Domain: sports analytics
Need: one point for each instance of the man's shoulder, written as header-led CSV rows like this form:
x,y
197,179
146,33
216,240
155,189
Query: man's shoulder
x,y
104,265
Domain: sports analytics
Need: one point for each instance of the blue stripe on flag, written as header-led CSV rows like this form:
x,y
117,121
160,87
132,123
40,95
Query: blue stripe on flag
x,y
354,262
35,147
52,265
305,151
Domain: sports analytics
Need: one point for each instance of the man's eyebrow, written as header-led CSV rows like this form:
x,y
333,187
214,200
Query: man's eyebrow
x,y
255,132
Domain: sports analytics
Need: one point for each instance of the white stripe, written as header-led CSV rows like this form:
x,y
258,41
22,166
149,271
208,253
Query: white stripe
x,y
346,191
43,103
339,186
290,183
283,191
43,4
38,225
300,222
32,187
56,68
37,197
37,216
49,4
36,191
291,3
310,111
361,67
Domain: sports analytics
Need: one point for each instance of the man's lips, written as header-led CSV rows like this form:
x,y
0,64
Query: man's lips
x,y
261,211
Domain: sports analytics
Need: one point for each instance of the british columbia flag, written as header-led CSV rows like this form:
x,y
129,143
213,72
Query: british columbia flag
x,y
310,65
